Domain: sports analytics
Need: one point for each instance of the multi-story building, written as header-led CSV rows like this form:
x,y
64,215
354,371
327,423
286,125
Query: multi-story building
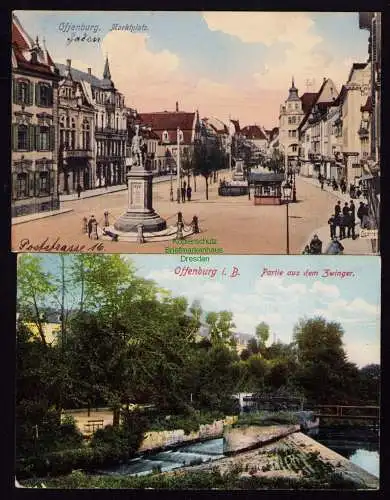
x,y
77,152
169,126
110,128
34,125
353,96
314,130
370,130
290,116
257,136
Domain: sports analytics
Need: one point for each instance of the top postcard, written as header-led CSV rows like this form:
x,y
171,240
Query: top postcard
x,y
196,132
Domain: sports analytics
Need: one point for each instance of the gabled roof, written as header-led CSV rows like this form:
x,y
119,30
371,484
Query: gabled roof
x,y
311,102
253,132
216,125
79,76
22,48
169,121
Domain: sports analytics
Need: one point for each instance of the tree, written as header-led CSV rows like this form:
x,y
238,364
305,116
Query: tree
x,y
207,159
221,325
262,333
34,288
322,360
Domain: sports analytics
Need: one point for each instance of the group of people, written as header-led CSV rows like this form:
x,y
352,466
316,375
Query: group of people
x,y
186,191
90,226
315,247
344,219
354,191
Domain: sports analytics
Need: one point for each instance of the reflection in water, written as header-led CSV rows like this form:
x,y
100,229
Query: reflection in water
x,y
359,445
169,460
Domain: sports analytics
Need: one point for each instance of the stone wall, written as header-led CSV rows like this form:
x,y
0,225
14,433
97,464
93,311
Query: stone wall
x,y
162,439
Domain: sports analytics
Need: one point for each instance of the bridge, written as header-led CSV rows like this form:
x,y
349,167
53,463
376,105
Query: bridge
x,y
348,412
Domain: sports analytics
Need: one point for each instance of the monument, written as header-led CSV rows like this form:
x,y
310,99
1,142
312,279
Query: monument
x,y
140,193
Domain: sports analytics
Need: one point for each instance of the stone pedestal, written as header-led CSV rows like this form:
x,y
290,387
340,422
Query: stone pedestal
x,y
140,207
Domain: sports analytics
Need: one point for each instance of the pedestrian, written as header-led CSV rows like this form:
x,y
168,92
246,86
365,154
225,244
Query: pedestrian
x,y
365,217
360,213
352,191
358,193
189,192
106,221
322,184
94,232
342,223
332,225
316,245
183,194
306,250
351,223
195,224
79,189
335,247
345,208
179,217
91,219
337,208
85,225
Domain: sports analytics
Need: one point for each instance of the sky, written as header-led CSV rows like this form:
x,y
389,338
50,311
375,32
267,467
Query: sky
x,y
280,301
236,64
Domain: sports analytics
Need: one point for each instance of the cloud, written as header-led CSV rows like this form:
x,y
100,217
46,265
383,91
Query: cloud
x,y
363,353
266,28
323,290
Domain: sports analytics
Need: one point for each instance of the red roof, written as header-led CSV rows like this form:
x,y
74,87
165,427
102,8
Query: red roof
x,y
169,121
21,42
308,99
253,132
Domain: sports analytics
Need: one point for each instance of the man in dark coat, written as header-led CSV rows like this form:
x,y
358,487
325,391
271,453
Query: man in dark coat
x,y
360,213
337,208
183,193
316,245
351,225
332,224
91,220
189,192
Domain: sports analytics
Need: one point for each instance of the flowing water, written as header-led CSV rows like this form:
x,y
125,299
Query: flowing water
x,y
359,445
168,460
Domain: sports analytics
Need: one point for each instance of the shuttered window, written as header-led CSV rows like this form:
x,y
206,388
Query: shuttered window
x,y
22,92
22,138
43,184
22,187
43,95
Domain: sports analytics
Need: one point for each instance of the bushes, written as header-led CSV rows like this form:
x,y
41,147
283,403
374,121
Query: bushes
x,y
213,479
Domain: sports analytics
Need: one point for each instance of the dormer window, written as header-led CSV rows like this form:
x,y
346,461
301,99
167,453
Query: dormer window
x,y
181,136
165,136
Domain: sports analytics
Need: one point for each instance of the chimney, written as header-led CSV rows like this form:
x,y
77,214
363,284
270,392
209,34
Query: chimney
x,y
177,106
89,72
68,63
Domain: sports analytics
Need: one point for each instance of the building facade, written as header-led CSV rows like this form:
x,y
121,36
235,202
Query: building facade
x,y
77,152
34,125
167,127
290,116
105,163
353,97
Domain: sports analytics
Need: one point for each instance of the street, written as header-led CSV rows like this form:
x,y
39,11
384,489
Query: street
x,y
238,226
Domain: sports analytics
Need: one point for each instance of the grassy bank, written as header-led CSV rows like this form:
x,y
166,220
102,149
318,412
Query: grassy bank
x,y
232,480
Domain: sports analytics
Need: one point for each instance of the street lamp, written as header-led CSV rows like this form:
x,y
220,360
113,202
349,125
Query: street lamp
x,y
178,190
287,198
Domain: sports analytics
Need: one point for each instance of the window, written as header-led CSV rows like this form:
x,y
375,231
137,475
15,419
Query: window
x,y
289,120
293,119
22,92
294,148
43,142
43,184
44,95
86,134
181,136
296,105
22,137
22,185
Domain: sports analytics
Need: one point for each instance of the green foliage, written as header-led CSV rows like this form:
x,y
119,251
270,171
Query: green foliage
x,y
221,328
188,423
262,332
213,479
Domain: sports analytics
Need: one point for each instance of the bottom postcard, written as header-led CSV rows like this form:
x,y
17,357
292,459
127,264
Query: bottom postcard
x,y
208,372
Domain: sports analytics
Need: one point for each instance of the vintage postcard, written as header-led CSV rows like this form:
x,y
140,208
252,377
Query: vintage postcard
x,y
232,372
196,132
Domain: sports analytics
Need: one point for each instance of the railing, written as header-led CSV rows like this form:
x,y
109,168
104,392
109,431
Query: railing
x,y
348,412
77,153
110,130
93,425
